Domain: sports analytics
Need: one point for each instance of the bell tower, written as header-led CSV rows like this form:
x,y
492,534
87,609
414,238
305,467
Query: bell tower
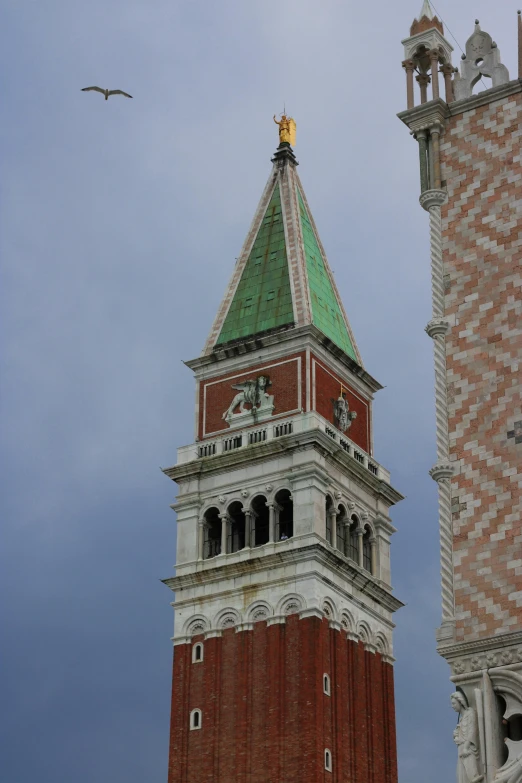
x,y
471,186
283,662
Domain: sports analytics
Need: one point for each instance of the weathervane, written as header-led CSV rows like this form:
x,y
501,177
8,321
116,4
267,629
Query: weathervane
x,y
286,129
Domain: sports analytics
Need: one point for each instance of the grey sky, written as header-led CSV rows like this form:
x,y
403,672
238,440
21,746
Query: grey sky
x,y
120,224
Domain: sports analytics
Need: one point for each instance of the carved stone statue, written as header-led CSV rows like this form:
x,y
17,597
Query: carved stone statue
x,y
342,414
286,129
466,740
254,393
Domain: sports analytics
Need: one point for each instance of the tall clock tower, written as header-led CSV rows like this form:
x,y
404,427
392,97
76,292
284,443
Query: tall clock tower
x,y
467,123
283,662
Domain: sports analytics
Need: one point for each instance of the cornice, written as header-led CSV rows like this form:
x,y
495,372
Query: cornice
x,y
364,582
437,112
426,115
263,451
487,96
240,348
450,651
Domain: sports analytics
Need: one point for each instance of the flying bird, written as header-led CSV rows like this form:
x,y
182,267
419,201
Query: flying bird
x,y
106,92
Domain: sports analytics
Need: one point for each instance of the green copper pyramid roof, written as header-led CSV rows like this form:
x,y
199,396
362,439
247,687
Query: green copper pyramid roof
x,y
282,277
326,313
263,299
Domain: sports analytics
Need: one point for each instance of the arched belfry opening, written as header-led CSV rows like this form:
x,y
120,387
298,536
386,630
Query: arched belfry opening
x,y
236,527
212,533
285,515
261,520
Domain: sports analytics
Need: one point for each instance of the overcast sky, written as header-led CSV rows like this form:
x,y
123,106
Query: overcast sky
x,y
120,223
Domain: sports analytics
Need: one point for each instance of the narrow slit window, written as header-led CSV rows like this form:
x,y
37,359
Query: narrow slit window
x,y
197,653
328,760
326,684
195,719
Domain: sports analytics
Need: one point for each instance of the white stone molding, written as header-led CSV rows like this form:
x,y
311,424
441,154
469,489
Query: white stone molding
x,y
276,619
214,633
443,470
311,611
335,625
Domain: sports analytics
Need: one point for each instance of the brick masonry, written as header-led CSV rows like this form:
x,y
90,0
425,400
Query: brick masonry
x,y
290,386
482,236
265,716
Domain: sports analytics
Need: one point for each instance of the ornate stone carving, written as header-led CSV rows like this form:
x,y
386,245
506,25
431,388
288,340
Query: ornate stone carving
x,y
292,605
459,667
466,740
197,625
343,416
245,493
433,198
491,660
437,327
482,58
228,620
254,394
476,663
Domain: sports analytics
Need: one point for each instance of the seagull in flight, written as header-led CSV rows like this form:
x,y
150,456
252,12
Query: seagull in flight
x,y
106,92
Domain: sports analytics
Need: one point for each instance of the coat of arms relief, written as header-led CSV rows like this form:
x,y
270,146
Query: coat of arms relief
x,y
251,402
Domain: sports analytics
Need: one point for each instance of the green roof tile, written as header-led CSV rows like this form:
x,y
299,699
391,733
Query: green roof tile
x,y
263,298
326,313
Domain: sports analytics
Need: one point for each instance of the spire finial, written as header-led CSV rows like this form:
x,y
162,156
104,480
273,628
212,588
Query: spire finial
x,y
426,11
426,20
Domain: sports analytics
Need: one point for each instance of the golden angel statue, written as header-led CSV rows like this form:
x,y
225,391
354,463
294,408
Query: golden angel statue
x,y
286,130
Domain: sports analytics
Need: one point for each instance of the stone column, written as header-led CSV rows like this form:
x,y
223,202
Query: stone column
x,y
225,521
423,80
360,546
442,471
373,552
447,71
409,67
423,159
333,526
201,539
434,57
435,140
271,521
248,525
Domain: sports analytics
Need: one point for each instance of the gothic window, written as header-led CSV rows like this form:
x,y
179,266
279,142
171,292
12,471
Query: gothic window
x,y
329,518
326,684
212,542
328,760
196,718
367,549
261,520
236,528
197,653
285,515
352,545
